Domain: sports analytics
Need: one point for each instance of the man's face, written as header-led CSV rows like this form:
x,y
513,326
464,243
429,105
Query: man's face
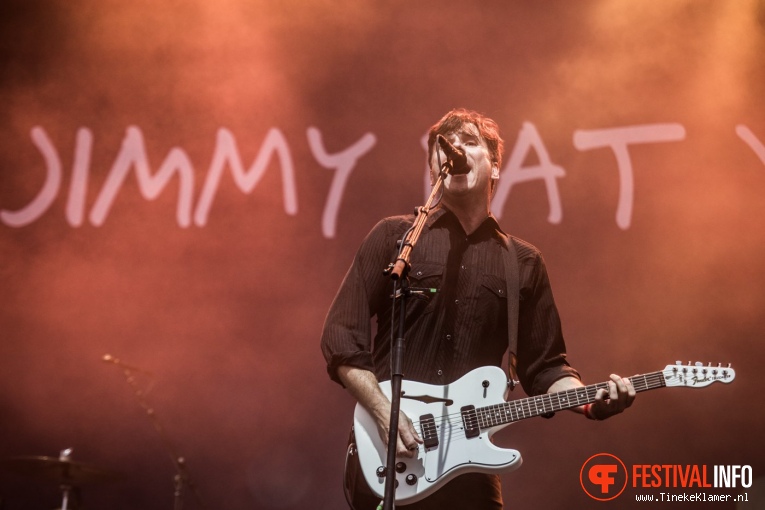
x,y
478,180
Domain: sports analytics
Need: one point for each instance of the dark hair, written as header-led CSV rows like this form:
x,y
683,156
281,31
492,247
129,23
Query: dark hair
x,y
455,119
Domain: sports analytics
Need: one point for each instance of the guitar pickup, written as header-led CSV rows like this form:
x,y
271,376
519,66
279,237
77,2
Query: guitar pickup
x,y
428,431
470,421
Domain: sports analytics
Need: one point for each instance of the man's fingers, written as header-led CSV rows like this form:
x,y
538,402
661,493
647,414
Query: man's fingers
x,y
402,450
625,392
620,395
615,398
408,438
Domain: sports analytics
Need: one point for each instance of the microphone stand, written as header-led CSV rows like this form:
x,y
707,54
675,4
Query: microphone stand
x,y
181,478
399,271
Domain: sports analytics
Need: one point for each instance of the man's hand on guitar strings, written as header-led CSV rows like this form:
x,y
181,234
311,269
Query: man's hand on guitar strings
x,y
408,438
619,397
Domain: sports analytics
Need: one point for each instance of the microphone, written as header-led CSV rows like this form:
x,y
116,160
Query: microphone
x,y
456,156
108,358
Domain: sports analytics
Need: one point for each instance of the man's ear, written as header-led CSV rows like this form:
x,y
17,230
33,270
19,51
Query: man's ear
x,y
494,171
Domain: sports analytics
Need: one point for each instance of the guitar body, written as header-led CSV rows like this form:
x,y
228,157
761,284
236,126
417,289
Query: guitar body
x,y
453,444
457,421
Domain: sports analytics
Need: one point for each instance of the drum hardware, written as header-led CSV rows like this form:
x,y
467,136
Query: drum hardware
x,y
66,473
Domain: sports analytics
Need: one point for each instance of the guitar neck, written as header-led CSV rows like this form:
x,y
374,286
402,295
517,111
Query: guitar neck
x,y
516,410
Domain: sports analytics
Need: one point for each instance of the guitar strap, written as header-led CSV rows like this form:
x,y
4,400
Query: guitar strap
x,y
512,281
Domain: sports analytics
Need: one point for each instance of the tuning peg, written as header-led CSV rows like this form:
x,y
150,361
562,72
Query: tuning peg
x,y
678,362
699,364
729,365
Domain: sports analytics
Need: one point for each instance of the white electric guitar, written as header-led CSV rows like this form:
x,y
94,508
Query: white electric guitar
x,y
456,423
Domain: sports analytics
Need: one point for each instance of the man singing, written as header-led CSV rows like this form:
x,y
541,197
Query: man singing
x,y
464,325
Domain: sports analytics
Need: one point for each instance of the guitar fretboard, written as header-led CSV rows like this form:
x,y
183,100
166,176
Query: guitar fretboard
x,y
515,410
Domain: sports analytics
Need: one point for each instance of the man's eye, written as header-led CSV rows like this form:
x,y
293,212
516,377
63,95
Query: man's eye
x,y
470,143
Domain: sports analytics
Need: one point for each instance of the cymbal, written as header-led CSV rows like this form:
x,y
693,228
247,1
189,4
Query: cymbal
x,y
51,469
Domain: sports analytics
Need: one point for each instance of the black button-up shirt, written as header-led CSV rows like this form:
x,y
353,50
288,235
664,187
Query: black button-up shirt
x,y
457,320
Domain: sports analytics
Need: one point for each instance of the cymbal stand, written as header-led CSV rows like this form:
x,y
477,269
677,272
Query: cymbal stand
x,y
67,490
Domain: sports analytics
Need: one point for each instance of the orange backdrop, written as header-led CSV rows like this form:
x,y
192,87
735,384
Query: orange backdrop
x,y
183,185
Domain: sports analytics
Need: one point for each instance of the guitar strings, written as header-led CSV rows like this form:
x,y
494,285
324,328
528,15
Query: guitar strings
x,y
504,413
516,410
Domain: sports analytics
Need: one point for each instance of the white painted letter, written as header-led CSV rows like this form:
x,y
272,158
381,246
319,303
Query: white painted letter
x,y
75,206
226,152
133,153
343,163
748,137
618,139
49,190
513,173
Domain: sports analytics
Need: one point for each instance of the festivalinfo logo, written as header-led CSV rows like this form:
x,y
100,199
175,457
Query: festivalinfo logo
x,y
604,477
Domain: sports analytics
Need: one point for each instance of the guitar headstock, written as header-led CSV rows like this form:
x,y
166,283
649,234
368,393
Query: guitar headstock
x,y
697,375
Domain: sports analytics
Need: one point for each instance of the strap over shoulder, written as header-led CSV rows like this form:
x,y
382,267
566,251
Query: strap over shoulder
x,y
512,279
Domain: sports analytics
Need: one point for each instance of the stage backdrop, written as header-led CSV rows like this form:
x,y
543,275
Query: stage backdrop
x,y
184,184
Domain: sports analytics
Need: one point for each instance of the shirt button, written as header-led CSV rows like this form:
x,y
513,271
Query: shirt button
x,y
501,291
440,372
456,301
419,273
448,337
463,267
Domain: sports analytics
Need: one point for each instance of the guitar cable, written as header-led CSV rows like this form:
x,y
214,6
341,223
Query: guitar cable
x,y
346,488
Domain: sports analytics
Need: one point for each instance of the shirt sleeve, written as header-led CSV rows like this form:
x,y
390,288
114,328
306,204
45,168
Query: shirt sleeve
x,y
346,336
541,348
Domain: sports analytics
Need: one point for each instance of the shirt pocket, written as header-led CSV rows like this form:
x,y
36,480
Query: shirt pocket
x,y
492,299
495,286
425,278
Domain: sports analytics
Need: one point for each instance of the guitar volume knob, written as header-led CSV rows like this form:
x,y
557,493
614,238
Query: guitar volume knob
x,y
411,479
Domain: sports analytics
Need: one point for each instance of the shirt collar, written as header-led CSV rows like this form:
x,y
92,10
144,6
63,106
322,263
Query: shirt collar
x,y
441,213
